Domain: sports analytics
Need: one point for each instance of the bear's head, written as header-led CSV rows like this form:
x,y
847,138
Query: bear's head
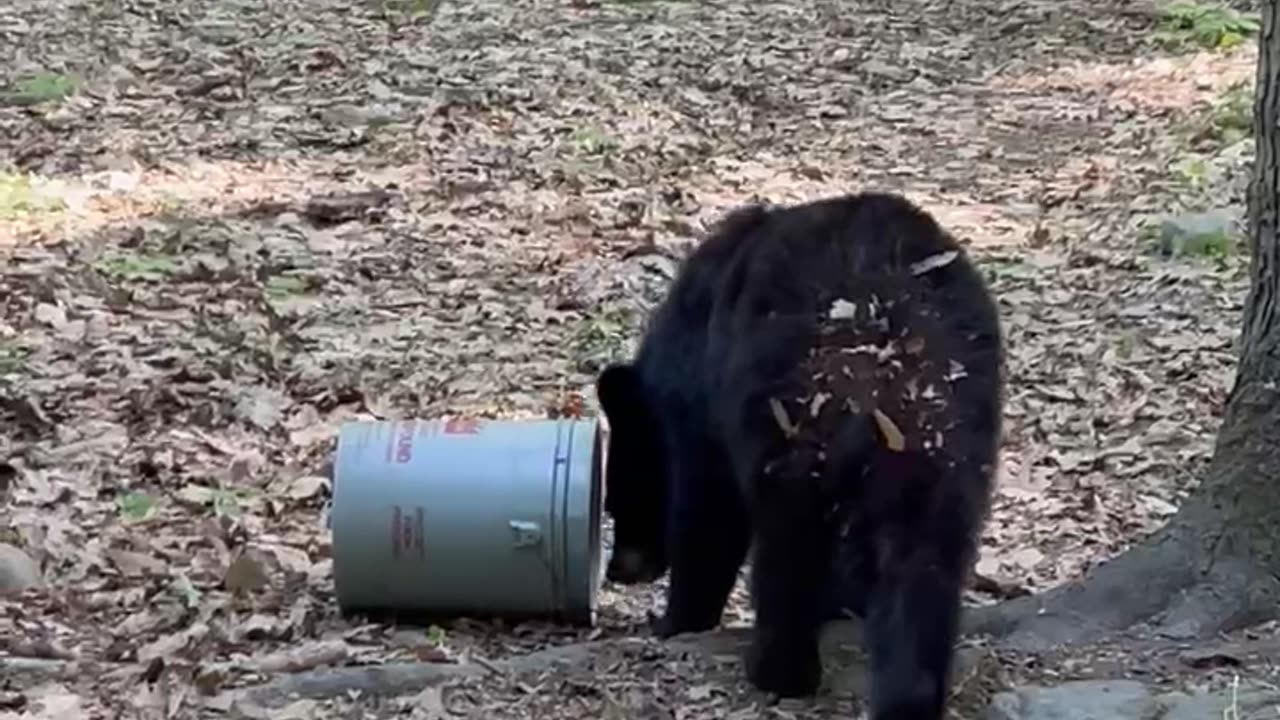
x,y
636,482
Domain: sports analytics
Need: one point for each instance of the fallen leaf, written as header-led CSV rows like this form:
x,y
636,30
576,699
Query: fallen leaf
x,y
842,309
51,315
815,405
893,438
290,558
134,564
263,407
53,702
303,657
933,262
698,693
783,420
1027,558
305,487
302,709
245,574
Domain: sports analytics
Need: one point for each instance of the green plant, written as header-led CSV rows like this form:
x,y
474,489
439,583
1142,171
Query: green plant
x,y
1231,115
228,503
185,590
38,88
1214,246
436,635
416,11
135,506
1207,25
281,286
1209,235
1191,172
19,196
137,267
12,355
591,140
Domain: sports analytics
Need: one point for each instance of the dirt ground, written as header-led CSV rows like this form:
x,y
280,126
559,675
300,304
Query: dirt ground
x,y
243,223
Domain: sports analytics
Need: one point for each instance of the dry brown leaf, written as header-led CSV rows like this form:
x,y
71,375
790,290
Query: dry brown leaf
x,y
301,709
842,309
305,487
245,573
53,701
933,262
893,438
134,563
788,428
815,405
303,657
290,558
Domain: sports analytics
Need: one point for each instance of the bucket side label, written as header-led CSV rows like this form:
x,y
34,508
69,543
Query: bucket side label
x,y
407,532
400,442
462,426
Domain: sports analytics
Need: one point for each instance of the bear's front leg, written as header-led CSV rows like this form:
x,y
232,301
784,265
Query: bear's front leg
x,y
709,536
787,585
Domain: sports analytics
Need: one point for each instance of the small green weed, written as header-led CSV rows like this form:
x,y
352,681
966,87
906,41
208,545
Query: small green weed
x,y
228,503
436,635
39,88
592,140
1209,235
1212,246
138,267
1191,172
1206,25
135,506
417,11
282,286
1230,118
11,356
19,196
185,590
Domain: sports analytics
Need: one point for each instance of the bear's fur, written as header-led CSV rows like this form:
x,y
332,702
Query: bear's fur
x,y
822,383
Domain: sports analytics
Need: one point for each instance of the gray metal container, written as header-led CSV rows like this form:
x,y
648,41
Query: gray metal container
x,y
468,517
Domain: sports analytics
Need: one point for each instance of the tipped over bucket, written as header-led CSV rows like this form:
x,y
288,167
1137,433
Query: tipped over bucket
x,y
463,516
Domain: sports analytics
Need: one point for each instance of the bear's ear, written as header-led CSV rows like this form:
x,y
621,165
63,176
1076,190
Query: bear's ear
x,y
621,394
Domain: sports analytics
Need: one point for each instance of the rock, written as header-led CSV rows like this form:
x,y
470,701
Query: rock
x,y
17,571
1126,699
1248,703
1082,700
1200,233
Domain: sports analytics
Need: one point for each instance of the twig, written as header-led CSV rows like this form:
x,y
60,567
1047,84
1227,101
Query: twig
x,y
42,668
406,678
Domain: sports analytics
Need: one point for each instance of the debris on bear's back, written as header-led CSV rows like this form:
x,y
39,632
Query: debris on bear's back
x,y
872,354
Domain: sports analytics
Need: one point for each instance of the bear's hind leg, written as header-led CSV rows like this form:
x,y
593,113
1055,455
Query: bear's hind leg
x,y
911,626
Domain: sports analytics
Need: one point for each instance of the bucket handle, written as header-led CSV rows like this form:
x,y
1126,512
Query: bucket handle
x,y
527,533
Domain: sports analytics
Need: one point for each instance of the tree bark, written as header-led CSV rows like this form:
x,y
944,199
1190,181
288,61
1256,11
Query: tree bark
x,y
1214,567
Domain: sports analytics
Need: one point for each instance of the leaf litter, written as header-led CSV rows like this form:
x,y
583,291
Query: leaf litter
x,y
307,213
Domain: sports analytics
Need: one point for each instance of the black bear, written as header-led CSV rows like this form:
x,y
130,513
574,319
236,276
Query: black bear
x,y
823,383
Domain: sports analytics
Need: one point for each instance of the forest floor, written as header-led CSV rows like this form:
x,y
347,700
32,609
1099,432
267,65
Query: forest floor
x,y
228,227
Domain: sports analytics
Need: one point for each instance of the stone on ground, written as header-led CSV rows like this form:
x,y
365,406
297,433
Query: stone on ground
x,y
17,570
1130,700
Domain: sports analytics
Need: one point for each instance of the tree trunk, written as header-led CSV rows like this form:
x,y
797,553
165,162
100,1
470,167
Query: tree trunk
x,y
1214,567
